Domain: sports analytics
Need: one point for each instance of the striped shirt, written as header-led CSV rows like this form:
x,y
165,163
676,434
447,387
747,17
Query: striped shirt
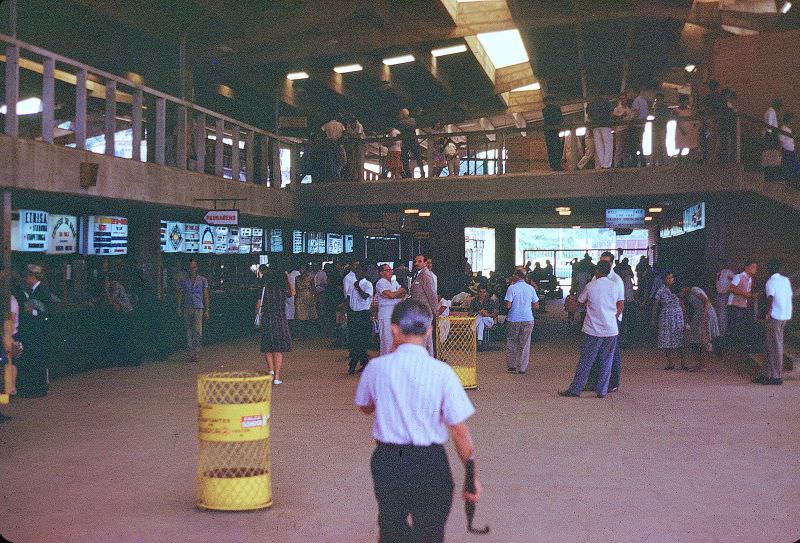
x,y
416,397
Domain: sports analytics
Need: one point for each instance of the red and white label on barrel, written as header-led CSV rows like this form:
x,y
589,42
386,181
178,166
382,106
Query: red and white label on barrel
x,y
254,421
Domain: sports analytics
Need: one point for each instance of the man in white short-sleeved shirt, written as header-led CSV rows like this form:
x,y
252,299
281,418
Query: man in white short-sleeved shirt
x,y
742,332
779,311
359,320
389,294
416,401
600,331
521,299
616,365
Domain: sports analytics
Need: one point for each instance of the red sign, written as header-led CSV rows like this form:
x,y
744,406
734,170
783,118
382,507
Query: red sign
x,y
222,217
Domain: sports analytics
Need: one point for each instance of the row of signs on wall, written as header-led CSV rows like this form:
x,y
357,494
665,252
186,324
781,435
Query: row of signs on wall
x,y
36,231
693,218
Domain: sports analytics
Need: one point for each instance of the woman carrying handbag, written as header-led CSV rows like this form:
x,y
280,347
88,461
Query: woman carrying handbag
x,y
271,317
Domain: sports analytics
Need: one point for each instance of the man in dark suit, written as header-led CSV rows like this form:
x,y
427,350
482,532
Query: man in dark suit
x,y
32,378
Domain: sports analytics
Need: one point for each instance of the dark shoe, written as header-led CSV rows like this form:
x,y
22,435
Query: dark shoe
x,y
601,395
773,381
759,380
521,372
511,370
684,367
568,394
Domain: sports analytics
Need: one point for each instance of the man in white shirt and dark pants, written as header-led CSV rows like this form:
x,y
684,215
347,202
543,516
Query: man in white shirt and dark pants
x,y
416,400
521,299
600,331
389,293
359,320
616,365
779,312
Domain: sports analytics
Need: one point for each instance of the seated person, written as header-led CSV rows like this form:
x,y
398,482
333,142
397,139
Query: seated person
x,y
485,310
462,300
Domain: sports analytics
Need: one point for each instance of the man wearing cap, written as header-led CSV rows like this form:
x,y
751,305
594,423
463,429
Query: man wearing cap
x,y
32,376
416,401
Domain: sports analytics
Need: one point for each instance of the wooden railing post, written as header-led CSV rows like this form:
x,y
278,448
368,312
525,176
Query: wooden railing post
x,y
199,141
235,156
48,99
263,148
181,129
110,125
161,129
136,124
12,90
80,109
249,149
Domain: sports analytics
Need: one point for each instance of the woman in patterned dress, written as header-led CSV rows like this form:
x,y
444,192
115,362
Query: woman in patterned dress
x,y
275,336
668,308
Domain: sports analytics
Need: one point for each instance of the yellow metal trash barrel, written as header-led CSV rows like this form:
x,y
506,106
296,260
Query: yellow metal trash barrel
x,y
456,345
233,467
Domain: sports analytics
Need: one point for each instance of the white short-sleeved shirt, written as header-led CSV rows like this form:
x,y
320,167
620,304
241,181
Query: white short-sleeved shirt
x,y
386,305
741,280
347,283
601,297
618,283
293,275
779,287
416,397
522,296
357,303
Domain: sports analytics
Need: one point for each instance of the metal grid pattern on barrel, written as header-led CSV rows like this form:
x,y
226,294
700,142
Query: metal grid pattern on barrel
x,y
456,345
233,471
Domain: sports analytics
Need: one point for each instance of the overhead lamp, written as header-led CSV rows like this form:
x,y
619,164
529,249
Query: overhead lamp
x,y
452,50
348,68
411,211
562,208
134,78
403,59
655,210
565,213
580,131
424,213
690,68
576,226
648,218
294,76
225,90
28,106
786,7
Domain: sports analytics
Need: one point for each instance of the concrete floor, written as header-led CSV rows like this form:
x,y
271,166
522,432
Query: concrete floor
x,y
671,457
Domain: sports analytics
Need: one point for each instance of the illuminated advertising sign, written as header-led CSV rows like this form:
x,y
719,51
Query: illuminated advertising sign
x,y
191,238
29,231
62,234
104,235
335,243
625,218
257,241
207,239
276,240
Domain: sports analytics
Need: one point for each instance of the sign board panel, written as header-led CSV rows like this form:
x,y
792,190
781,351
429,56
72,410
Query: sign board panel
x,y
257,241
221,240
222,217
191,238
298,242
625,218
62,234
173,238
206,238
276,240
694,217
245,240
348,243
233,241
335,243
104,235
29,232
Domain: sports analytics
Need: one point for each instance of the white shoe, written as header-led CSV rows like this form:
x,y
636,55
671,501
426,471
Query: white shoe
x,y
277,382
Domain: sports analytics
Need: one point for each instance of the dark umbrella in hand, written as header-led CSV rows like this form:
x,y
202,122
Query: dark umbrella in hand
x,y
469,507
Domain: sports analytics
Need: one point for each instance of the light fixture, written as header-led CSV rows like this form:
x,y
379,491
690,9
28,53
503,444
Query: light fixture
x,y
225,90
452,50
531,87
576,226
28,106
411,211
655,210
348,68
565,213
135,78
648,218
690,68
580,131
424,213
399,60
294,76
562,208
786,7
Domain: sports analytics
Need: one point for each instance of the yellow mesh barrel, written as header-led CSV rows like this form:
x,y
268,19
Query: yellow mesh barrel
x,y
455,344
233,467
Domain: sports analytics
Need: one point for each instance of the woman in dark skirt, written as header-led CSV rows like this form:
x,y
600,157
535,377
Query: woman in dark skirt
x,y
275,336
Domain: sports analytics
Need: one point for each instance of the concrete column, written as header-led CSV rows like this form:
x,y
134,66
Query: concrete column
x,y
136,124
12,90
504,247
446,248
235,156
219,149
110,116
48,99
80,110
161,129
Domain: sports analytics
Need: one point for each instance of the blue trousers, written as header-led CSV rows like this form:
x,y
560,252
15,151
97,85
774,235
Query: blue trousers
x,y
615,369
594,348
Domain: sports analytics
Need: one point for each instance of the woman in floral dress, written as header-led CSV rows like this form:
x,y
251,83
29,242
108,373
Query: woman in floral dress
x,y
668,308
